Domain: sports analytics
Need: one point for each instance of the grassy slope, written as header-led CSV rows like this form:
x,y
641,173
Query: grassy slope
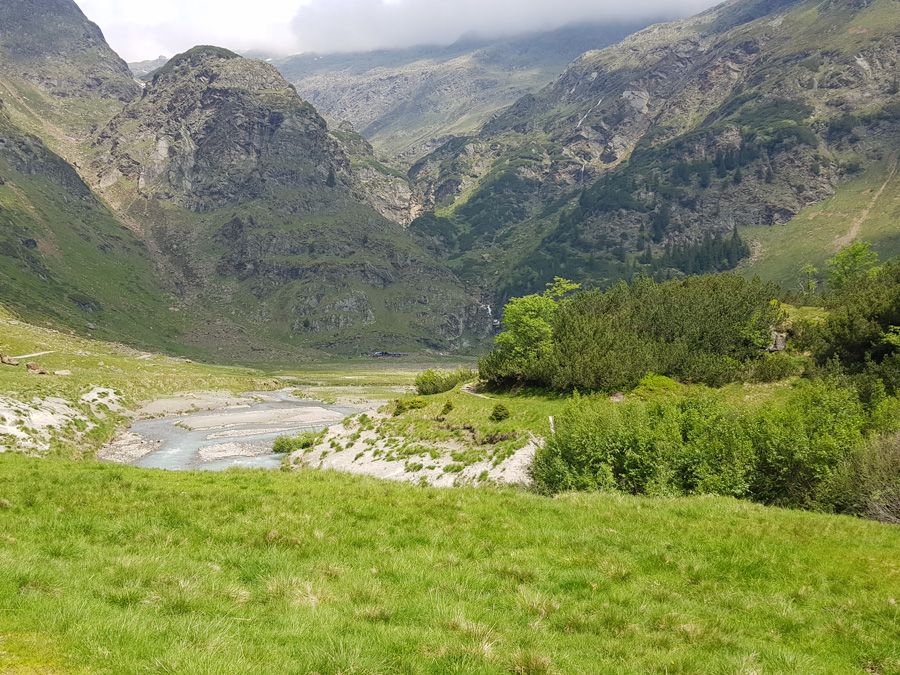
x,y
135,377
817,232
83,254
111,569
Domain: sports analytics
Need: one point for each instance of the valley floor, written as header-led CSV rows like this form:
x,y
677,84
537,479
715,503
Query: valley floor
x,y
110,568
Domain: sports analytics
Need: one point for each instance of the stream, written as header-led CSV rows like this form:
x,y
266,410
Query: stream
x,y
236,436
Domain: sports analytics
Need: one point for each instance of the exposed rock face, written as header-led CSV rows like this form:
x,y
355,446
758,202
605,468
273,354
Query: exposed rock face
x,y
214,129
52,45
406,100
266,218
386,189
679,132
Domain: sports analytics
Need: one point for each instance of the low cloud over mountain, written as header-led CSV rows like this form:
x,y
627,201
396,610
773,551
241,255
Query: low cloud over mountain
x,y
144,30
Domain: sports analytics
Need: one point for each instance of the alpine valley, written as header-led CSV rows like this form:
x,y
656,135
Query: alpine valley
x,y
210,209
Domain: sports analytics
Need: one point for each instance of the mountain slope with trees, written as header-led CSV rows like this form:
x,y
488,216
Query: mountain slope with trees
x,y
646,156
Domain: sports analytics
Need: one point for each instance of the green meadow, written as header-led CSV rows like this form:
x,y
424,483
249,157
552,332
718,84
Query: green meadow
x,y
114,569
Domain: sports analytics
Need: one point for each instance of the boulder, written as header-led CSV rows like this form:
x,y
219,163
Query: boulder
x,y
36,369
779,341
8,360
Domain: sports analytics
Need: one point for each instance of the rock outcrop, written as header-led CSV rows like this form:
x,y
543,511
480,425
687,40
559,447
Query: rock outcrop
x,y
271,218
52,45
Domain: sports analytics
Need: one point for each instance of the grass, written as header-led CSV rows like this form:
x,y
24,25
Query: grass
x,y
112,569
468,424
814,235
136,376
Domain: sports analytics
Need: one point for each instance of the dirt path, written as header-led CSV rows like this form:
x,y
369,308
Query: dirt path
x,y
470,389
31,356
860,220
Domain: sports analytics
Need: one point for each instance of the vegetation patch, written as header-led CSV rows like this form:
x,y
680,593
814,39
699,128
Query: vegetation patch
x,y
433,381
247,572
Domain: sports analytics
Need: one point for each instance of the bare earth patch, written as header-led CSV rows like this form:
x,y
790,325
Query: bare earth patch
x,y
347,448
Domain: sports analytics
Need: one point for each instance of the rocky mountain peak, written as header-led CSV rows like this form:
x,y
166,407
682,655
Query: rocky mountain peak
x,y
52,45
213,128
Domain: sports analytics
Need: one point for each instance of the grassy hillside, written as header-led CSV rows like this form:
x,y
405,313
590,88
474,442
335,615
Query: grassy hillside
x,y
109,569
866,208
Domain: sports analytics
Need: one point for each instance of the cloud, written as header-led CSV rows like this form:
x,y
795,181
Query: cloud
x,y
342,25
141,30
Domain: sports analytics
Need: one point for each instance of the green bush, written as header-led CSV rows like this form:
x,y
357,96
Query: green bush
x,y
868,481
774,368
499,413
304,441
688,445
786,453
402,405
446,410
432,381
699,329
800,443
857,334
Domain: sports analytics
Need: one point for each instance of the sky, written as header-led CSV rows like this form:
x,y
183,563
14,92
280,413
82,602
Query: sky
x,y
140,30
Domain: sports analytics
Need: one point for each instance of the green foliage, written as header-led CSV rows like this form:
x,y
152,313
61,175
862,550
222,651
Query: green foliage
x,y
868,483
499,413
446,410
402,405
689,445
783,452
858,333
801,443
700,329
714,253
851,265
432,381
304,441
775,367
521,350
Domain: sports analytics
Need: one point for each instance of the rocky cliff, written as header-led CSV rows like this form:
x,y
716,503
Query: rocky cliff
x,y
405,101
261,213
52,45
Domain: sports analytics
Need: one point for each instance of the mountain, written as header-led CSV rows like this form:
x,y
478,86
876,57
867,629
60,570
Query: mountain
x,y
58,76
141,69
257,207
645,156
406,100
213,206
63,255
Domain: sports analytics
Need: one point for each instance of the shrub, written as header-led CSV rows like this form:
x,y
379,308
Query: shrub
x,y
786,453
774,367
432,381
858,331
304,441
801,443
878,471
868,482
689,445
699,329
499,413
446,410
402,405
